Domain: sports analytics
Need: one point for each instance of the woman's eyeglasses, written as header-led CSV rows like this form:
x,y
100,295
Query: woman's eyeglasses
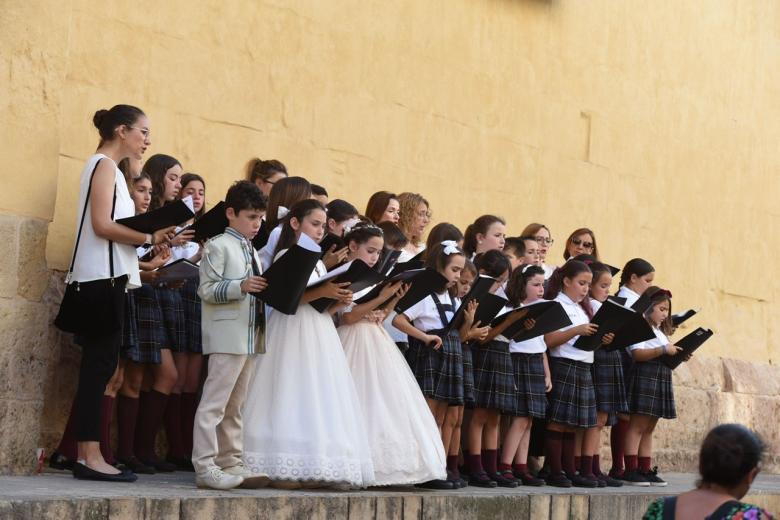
x,y
578,242
544,241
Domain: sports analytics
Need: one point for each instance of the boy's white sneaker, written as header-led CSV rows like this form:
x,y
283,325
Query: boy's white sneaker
x,y
251,480
215,478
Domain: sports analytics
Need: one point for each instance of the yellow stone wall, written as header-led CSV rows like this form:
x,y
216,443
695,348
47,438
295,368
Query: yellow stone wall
x,y
654,123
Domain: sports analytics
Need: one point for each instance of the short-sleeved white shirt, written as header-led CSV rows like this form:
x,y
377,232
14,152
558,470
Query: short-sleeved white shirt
x,y
578,317
630,296
530,346
425,316
660,340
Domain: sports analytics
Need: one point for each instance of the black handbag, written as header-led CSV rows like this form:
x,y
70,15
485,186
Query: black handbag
x,y
92,308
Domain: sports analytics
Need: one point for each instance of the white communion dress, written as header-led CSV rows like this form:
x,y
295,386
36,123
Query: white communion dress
x,y
406,446
302,417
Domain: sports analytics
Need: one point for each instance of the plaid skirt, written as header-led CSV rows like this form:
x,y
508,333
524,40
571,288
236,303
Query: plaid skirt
x,y
531,397
572,399
651,391
149,327
608,379
440,372
627,362
468,375
494,377
130,327
193,342
172,308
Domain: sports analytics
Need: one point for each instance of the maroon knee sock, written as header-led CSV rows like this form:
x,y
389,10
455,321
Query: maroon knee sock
x,y
520,469
474,463
617,441
150,419
631,463
553,449
172,419
106,414
586,466
126,417
489,461
504,467
644,464
452,466
189,405
67,446
567,453
577,461
597,466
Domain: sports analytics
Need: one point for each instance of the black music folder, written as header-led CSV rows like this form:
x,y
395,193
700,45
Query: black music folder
x,y
330,240
405,276
413,263
262,236
211,224
681,317
628,325
357,273
422,283
479,289
489,307
387,261
548,315
289,275
181,269
689,344
172,214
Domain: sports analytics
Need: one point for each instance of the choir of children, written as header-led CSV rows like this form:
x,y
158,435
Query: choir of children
x,y
354,393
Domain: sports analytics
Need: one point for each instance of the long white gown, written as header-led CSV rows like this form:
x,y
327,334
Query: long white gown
x,y
406,446
302,416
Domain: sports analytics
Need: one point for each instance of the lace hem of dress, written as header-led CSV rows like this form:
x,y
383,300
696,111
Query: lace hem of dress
x,y
288,466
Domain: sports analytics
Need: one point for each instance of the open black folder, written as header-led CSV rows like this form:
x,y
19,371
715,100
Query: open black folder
x,y
357,273
405,276
628,325
688,344
682,317
211,224
172,214
262,236
387,261
548,316
479,289
181,269
289,275
422,283
331,240
489,307
413,263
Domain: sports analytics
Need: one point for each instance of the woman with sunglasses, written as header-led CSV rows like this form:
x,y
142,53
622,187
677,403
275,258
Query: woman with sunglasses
x,y
581,242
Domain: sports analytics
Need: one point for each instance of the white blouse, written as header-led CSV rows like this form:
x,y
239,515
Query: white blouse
x,y
92,258
660,340
630,296
578,317
425,316
530,346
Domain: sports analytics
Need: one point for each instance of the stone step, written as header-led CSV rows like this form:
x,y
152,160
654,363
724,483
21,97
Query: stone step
x,y
57,496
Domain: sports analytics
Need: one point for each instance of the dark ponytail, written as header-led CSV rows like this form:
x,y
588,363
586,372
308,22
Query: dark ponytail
x,y
479,227
637,266
568,270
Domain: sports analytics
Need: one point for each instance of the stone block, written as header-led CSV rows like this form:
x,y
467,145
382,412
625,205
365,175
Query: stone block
x,y
361,507
746,377
87,508
9,252
19,423
619,506
126,508
560,505
389,508
32,274
296,506
462,507
539,506
413,507
24,349
700,372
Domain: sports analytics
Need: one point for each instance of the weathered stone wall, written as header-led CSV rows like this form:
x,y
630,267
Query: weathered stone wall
x,y
654,124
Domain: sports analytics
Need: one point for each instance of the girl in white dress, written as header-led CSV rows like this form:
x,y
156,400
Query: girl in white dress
x,y
303,421
406,447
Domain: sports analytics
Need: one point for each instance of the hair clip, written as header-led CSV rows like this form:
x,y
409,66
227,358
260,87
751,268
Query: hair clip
x,y
450,247
350,224
526,268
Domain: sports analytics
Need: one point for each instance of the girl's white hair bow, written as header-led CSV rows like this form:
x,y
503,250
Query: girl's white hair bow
x,y
450,247
281,212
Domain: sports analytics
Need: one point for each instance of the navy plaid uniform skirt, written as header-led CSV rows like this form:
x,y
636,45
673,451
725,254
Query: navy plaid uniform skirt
x,y
609,381
494,377
627,362
149,326
652,392
531,397
173,318
440,372
130,328
572,399
468,375
192,332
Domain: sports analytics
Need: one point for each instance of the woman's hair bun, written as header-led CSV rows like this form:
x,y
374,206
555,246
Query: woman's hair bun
x,y
99,117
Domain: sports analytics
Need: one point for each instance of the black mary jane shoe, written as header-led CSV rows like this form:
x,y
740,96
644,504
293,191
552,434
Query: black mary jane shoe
x,y
84,472
61,462
481,479
441,485
504,479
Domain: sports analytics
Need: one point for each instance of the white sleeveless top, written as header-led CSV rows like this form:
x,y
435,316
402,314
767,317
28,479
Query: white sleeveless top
x,y
92,259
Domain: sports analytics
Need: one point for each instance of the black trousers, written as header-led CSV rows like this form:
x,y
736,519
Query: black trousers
x,y
99,359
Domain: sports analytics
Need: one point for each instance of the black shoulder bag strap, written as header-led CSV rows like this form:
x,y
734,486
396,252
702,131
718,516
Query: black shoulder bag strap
x,y
670,503
724,509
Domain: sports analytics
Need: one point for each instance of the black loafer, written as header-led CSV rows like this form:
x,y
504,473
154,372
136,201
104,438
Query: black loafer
x,y
136,466
558,480
83,472
482,479
505,479
437,484
60,461
583,481
609,481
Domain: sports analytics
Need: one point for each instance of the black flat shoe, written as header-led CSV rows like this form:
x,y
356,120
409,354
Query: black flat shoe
x,y
583,481
83,472
60,461
529,480
504,479
136,466
160,465
609,481
482,479
437,484
558,480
